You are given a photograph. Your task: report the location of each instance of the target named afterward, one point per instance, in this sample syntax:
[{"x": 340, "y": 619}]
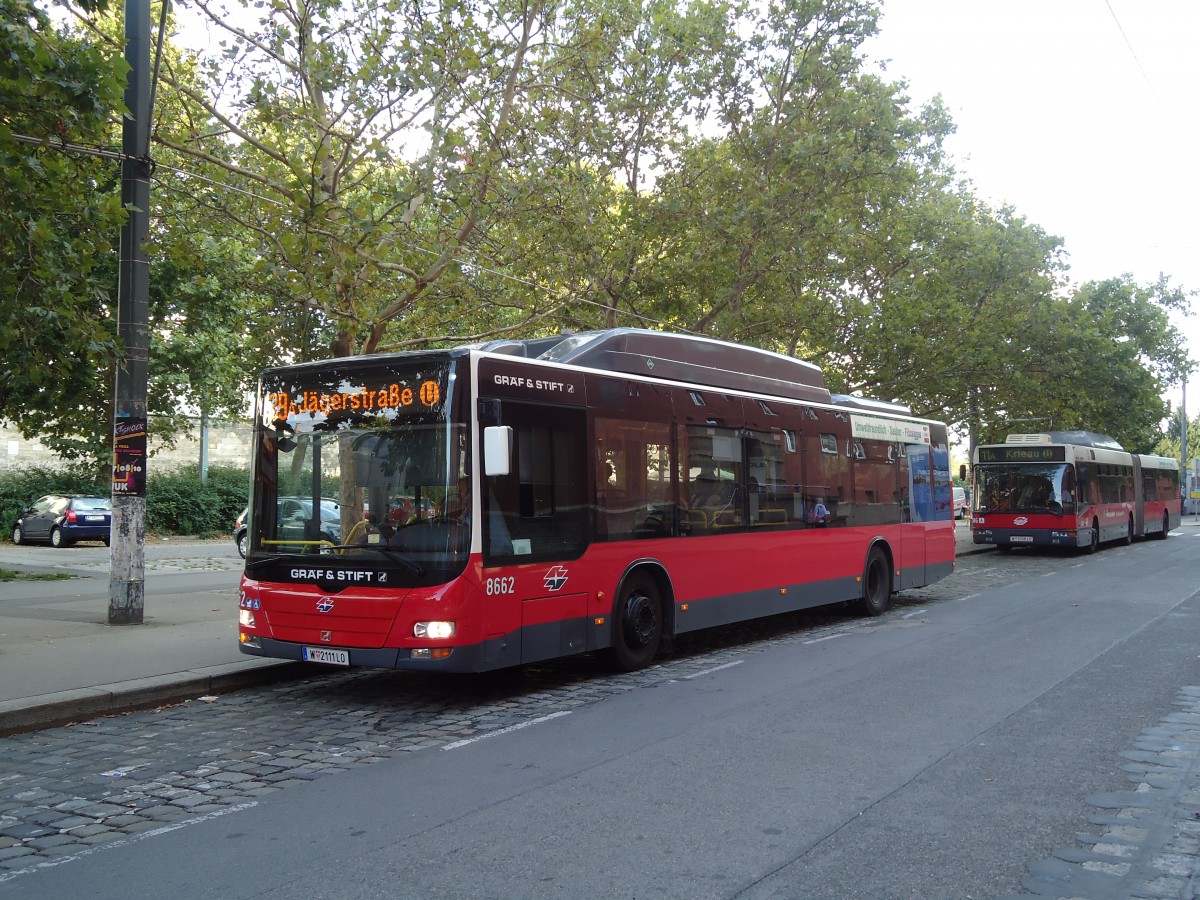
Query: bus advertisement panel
[{"x": 619, "y": 489}]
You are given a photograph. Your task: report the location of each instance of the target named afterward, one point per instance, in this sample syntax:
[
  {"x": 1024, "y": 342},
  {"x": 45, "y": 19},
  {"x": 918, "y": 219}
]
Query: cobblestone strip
[
  {"x": 68, "y": 791},
  {"x": 1147, "y": 839}
]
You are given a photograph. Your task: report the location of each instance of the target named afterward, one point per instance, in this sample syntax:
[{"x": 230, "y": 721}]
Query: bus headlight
[
  {"x": 437, "y": 631},
  {"x": 246, "y": 618}
]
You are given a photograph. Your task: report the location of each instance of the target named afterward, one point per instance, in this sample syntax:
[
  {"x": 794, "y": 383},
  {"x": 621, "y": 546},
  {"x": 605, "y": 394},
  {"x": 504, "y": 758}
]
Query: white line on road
[
  {"x": 728, "y": 665},
  {"x": 121, "y": 842},
  {"x": 491, "y": 734},
  {"x": 828, "y": 637}
]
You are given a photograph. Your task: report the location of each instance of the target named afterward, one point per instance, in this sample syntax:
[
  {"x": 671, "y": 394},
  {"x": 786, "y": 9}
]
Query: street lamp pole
[{"x": 127, "y": 561}]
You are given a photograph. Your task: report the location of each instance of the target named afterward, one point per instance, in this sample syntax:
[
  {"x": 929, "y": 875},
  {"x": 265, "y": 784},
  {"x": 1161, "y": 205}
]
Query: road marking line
[
  {"x": 728, "y": 665},
  {"x": 828, "y": 637},
  {"x": 491, "y": 734},
  {"x": 122, "y": 842}
]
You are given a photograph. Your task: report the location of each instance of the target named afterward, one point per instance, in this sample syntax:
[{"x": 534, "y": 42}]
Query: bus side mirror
[
  {"x": 497, "y": 450},
  {"x": 962, "y": 472}
]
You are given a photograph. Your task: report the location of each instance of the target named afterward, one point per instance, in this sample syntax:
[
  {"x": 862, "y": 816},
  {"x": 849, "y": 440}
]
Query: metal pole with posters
[{"x": 127, "y": 560}]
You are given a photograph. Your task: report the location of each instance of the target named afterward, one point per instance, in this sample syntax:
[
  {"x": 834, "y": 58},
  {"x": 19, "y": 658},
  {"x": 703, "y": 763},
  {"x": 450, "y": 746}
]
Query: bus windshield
[
  {"x": 1047, "y": 487},
  {"x": 362, "y": 465}
]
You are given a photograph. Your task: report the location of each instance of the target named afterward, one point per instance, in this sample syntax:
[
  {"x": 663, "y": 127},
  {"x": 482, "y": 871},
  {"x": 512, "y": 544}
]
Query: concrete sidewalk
[{"x": 61, "y": 662}]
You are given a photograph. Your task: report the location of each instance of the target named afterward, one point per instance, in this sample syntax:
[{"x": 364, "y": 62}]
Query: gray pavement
[{"x": 61, "y": 662}]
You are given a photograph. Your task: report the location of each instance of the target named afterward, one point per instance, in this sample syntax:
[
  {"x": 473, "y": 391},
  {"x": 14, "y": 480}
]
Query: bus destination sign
[
  {"x": 876, "y": 428},
  {"x": 386, "y": 399},
  {"x": 1020, "y": 454}
]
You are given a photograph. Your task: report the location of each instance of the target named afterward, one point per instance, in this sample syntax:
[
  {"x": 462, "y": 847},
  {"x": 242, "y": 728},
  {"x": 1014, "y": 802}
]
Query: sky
[{"x": 1081, "y": 114}]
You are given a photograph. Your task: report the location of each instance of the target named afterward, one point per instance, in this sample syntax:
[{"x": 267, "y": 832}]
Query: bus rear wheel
[
  {"x": 639, "y": 624},
  {"x": 1166, "y": 529},
  {"x": 876, "y": 584}
]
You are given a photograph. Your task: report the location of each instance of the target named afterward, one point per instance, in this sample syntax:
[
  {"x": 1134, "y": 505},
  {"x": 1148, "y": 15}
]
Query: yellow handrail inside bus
[{"x": 319, "y": 543}]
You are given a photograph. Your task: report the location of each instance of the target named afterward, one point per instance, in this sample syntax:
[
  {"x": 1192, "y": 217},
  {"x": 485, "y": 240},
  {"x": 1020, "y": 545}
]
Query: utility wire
[{"x": 1132, "y": 52}]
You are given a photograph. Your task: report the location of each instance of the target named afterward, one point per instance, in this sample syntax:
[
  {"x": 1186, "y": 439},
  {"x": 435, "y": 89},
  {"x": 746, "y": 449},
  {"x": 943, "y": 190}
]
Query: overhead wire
[{"x": 1129, "y": 45}]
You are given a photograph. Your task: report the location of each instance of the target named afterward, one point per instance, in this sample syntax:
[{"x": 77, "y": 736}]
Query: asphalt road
[{"x": 984, "y": 737}]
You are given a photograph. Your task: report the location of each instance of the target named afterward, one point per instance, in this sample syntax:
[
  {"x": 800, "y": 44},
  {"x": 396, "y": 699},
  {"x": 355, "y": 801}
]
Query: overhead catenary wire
[{"x": 1129, "y": 45}]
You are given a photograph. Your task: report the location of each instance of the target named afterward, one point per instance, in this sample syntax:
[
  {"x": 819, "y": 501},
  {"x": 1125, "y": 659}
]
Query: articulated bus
[
  {"x": 1070, "y": 489},
  {"x": 517, "y": 501}
]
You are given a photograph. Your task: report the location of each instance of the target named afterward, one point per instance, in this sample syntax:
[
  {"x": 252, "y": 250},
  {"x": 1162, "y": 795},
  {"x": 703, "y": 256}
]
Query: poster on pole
[{"x": 129, "y": 457}]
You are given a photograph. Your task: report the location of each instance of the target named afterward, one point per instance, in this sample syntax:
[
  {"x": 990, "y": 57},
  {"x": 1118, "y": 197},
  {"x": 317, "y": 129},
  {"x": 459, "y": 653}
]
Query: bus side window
[
  {"x": 539, "y": 510},
  {"x": 632, "y": 499}
]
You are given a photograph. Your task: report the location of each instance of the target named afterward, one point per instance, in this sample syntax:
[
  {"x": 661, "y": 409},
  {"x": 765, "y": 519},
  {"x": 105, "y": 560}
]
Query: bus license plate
[
  {"x": 1021, "y": 539},
  {"x": 327, "y": 655}
]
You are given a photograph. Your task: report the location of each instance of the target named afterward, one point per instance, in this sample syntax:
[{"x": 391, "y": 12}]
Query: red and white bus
[
  {"x": 598, "y": 491},
  {"x": 1070, "y": 489}
]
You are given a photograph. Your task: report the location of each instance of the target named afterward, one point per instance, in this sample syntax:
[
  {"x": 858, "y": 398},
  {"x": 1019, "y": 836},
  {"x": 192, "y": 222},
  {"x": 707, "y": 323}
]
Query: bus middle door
[{"x": 920, "y": 509}]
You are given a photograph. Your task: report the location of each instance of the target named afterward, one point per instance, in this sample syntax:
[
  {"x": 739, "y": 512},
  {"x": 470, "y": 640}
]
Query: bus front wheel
[
  {"x": 639, "y": 624},
  {"x": 876, "y": 585},
  {"x": 1094, "y": 543}
]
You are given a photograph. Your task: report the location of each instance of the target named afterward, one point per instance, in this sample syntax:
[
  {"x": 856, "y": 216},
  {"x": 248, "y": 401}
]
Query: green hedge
[{"x": 176, "y": 502}]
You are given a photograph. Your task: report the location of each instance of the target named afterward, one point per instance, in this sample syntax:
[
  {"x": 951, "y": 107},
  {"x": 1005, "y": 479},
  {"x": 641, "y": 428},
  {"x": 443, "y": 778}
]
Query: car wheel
[
  {"x": 243, "y": 540},
  {"x": 57, "y": 539},
  {"x": 18, "y": 535}
]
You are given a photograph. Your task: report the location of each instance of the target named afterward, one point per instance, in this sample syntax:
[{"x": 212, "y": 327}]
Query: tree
[
  {"x": 1120, "y": 352},
  {"x": 1169, "y": 444},
  {"x": 370, "y": 139},
  {"x": 60, "y": 95}
]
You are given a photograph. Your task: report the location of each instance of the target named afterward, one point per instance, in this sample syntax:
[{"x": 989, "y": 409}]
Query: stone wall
[{"x": 228, "y": 445}]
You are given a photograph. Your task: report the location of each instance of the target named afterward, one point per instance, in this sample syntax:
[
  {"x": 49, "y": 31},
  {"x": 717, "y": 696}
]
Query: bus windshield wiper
[
  {"x": 254, "y": 563},
  {"x": 392, "y": 553}
]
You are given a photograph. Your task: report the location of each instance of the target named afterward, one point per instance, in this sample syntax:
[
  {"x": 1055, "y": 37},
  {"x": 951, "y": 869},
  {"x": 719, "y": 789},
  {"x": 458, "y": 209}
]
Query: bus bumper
[
  {"x": 1032, "y": 537},
  {"x": 469, "y": 658}
]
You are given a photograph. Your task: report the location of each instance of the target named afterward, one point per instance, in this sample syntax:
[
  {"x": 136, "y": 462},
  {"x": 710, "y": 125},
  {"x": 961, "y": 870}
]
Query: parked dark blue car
[{"x": 62, "y": 520}]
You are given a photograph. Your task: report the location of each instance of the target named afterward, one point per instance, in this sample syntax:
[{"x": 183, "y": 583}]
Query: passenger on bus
[
  {"x": 820, "y": 513},
  {"x": 706, "y": 491},
  {"x": 1035, "y": 493},
  {"x": 458, "y": 505}
]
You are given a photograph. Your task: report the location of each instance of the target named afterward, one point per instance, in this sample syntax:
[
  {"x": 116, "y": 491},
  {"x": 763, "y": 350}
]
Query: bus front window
[
  {"x": 360, "y": 468},
  {"x": 1025, "y": 488}
]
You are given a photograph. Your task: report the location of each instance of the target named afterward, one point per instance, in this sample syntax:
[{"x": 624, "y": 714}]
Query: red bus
[
  {"x": 597, "y": 491},
  {"x": 1070, "y": 489}
]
